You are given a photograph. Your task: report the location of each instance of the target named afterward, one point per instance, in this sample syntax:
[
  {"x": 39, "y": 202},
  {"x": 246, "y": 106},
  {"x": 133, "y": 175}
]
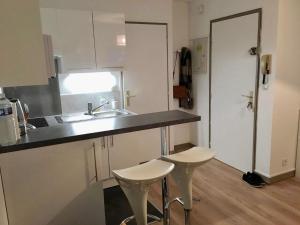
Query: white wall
[
  {"x": 199, "y": 27},
  {"x": 287, "y": 89},
  {"x": 181, "y": 38}
]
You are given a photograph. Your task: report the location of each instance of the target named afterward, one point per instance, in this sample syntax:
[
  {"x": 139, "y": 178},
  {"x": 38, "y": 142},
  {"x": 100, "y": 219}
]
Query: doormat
[{"x": 117, "y": 207}]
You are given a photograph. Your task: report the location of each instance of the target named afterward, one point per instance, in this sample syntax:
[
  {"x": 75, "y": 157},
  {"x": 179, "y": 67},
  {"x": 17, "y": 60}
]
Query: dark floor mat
[{"x": 117, "y": 207}]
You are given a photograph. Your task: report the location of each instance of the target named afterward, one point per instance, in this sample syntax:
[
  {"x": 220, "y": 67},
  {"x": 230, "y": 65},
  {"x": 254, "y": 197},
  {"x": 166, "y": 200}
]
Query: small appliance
[
  {"x": 8, "y": 132},
  {"x": 19, "y": 115}
]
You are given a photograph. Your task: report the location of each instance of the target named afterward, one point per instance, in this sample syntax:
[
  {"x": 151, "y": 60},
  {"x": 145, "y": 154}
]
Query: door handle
[
  {"x": 95, "y": 162},
  {"x": 58, "y": 65},
  {"x": 250, "y": 105},
  {"x": 103, "y": 145},
  {"x": 128, "y": 96},
  {"x": 248, "y": 96},
  {"x": 111, "y": 141}
]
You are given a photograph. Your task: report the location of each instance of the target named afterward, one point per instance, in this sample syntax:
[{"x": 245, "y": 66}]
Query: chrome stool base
[
  {"x": 187, "y": 216},
  {"x": 127, "y": 220},
  {"x": 187, "y": 212}
]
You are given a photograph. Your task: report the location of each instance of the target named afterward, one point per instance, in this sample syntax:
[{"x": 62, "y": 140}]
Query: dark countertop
[{"x": 98, "y": 128}]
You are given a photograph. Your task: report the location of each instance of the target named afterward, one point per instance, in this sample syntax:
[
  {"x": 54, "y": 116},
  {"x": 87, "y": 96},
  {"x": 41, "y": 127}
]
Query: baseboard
[
  {"x": 277, "y": 178},
  {"x": 183, "y": 147}
]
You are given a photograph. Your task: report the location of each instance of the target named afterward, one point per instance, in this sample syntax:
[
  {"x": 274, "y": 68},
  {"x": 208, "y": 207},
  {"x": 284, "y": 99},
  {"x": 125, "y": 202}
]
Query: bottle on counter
[
  {"x": 8, "y": 131},
  {"x": 16, "y": 119}
]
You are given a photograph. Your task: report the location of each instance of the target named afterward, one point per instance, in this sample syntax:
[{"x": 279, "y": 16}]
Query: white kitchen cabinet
[
  {"x": 73, "y": 38},
  {"x": 85, "y": 40},
  {"x": 50, "y": 27},
  {"x": 77, "y": 40},
  {"x": 3, "y": 212},
  {"x": 110, "y": 39},
  {"x": 53, "y": 185},
  {"x": 127, "y": 150},
  {"x": 22, "y": 60}
]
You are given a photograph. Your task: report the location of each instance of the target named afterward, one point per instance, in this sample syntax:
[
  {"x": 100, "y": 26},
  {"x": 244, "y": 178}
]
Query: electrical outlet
[{"x": 284, "y": 162}]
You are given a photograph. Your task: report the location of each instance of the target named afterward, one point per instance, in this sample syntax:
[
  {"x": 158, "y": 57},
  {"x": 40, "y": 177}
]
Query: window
[{"x": 85, "y": 83}]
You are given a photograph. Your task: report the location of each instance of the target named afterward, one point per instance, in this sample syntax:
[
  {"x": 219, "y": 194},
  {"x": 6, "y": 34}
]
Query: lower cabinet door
[
  {"x": 53, "y": 185},
  {"x": 102, "y": 158},
  {"x": 131, "y": 149},
  {"x": 3, "y": 212}
]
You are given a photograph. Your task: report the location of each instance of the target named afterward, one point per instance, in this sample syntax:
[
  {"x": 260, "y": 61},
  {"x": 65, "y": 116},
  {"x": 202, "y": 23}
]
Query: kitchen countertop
[{"x": 71, "y": 132}]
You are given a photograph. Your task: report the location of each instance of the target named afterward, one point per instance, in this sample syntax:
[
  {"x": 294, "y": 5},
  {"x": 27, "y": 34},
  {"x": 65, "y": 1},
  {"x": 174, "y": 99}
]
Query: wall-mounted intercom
[{"x": 266, "y": 68}]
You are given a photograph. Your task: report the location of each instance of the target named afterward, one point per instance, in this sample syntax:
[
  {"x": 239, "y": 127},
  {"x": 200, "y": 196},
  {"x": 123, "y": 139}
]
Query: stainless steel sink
[
  {"x": 107, "y": 114},
  {"x": 96, "y": 115}
]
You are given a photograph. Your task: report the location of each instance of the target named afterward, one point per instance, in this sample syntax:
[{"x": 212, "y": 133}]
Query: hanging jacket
[{"x": 185, "y": 78}]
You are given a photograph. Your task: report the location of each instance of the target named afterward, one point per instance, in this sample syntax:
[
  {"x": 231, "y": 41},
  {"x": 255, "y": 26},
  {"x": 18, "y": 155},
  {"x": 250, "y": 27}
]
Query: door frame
[
  {"x": 258, "y": 55},
  {"x": 167, "y": 41},
  {"x": 167, "y": 75}
]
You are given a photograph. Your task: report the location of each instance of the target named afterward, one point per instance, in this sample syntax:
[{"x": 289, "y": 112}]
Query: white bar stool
[
  {"x": 185, "y": 164},
  {"x": 136, "y": 182}
]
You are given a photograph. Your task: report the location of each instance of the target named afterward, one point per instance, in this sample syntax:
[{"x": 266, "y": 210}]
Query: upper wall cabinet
[
  {"x": 22, "y": 59},
  {"x": 76, "y": 39},
  {"x": 50, "y": 27},
  {"x": 85, "y": 40},
  {"x": 110, "y": 39},
  {"x": 73, "y": 38}
]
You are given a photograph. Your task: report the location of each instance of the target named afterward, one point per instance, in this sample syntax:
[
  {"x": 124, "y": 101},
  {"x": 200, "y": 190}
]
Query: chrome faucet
[{"x": 92, "y": 110}]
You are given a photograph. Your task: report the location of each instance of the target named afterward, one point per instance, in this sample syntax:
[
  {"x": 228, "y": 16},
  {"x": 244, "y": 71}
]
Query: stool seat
[
  {"x": 185, "y": 164},
  {"x": 193, "y": 157},
  {"x": 135, "y": 183},
  {"x": 148, "y": 172}
]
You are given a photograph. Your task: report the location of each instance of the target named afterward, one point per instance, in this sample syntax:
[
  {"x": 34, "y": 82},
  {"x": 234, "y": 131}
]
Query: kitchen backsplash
[
  {"x": 43, "y": 100},
  {"x": 70, "y": 93}
]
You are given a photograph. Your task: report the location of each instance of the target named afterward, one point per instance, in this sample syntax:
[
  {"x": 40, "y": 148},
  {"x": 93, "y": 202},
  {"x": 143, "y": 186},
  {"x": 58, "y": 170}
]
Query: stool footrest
[
  {"x": 127, "y": 220},
  {"x": 174, "y": 200}
]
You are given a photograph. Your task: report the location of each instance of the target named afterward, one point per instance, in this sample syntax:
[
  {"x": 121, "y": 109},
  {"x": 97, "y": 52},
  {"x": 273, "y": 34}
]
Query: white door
[
  {"x": 146, "y": 75},
  {"x": 146, "y": 78},
  {"x": 233, "y": 74}
]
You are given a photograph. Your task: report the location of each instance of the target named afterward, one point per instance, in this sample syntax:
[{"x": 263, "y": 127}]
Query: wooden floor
[{"x": 226, "y": 199}]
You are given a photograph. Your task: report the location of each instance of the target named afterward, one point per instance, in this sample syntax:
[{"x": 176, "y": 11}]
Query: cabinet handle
[
  {"x": 112, "y": 141},
  {"x": 95, "y": 162},
  {"x": 103, "y": 145},
  {"x": 58, "y": 65}
]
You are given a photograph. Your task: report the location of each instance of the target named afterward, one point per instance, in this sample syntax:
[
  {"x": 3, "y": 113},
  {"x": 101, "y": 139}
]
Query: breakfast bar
[
  {"x": 71, "y": 132},
  {"x": 42, "y": 141}
]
